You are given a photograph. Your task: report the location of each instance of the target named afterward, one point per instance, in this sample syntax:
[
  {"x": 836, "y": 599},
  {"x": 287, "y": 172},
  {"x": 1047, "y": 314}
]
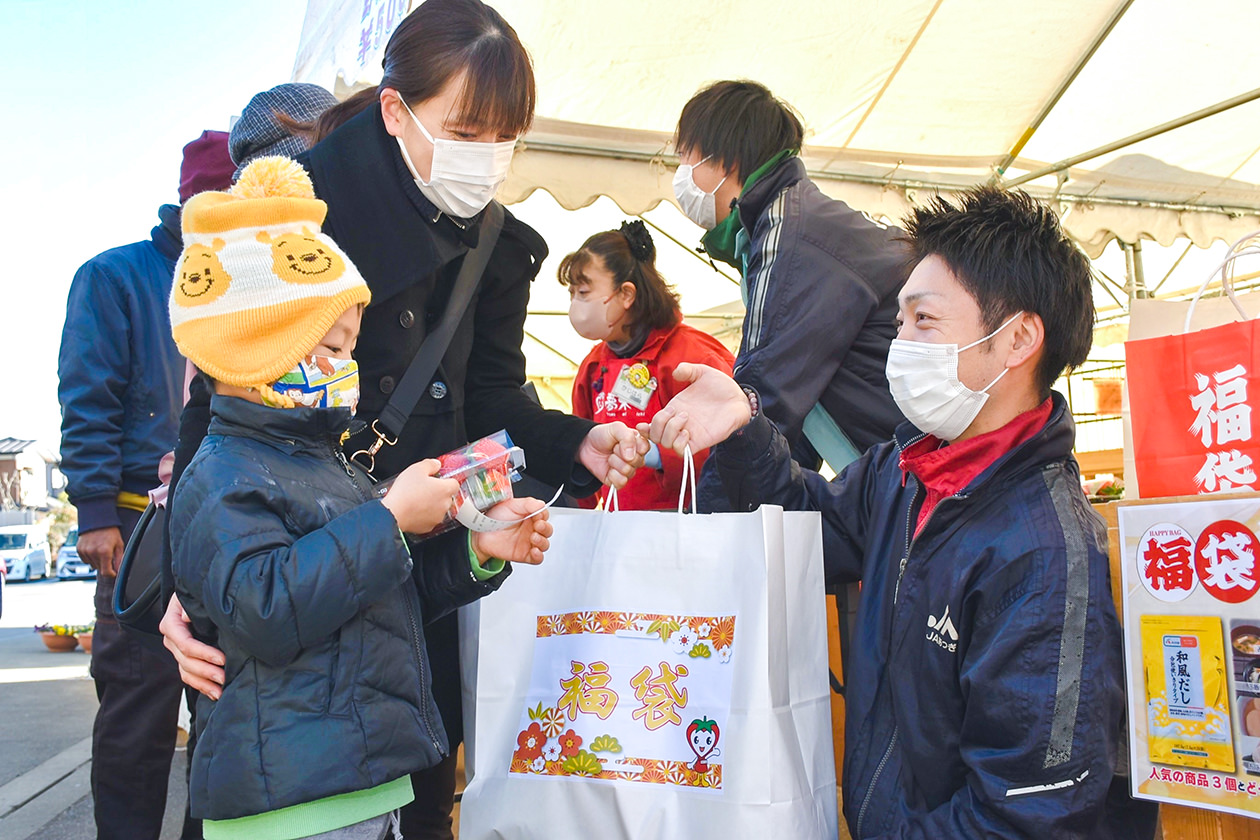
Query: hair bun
[{"x": 641, "y": 246}]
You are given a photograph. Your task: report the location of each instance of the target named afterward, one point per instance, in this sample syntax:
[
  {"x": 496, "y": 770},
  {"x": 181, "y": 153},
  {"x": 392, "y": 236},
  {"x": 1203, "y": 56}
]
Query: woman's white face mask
[
  {"x": 696, "y": 204},
  {"x": 465, "y": 175}
]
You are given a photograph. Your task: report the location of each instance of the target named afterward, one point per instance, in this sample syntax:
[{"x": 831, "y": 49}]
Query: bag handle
[
  {"x": 612, "y": 505},
  {"x": 393, "y": 417},
  {"x": 1248, "y": 245},
  {"x": 688, "y": 475}
]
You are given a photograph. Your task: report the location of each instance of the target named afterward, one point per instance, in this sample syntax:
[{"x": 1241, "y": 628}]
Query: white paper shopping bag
[{"x": 659, "y": 676}]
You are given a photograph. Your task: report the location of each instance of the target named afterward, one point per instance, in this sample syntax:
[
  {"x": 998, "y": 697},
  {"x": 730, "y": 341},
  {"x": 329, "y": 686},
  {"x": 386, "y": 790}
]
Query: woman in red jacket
[{"x": 618, "y": 298}]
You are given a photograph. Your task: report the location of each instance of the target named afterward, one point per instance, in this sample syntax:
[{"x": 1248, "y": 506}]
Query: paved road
[{"x": 47, "y": 704}]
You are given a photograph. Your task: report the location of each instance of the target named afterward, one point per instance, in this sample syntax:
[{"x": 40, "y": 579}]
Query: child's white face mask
[{"x": 321, "y": 382}]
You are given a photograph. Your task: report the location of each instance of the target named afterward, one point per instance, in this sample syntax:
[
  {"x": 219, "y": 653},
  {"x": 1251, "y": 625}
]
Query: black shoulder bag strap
[{"x": 389, "y": 424}]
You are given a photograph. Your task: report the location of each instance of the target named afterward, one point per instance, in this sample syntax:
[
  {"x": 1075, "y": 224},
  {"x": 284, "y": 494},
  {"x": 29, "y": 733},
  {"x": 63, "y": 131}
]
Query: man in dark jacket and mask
[
  {"x": 819, "y": 278},
  {"x": 121, "y": 389},
  {"x": 985, "y": 694}
]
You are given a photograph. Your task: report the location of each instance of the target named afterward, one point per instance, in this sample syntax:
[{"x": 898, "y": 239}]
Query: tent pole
[
  {"x": 695, "y": 252},
  {"x": 547, "y": 346},
  {"x": 1110, "y": 294},
  {"x": 1211, "y": 110},
  {"x": 1158, "y": 285},
  {"x": 1058, "y": 94},
  {"x": 1135, "y": 275}
]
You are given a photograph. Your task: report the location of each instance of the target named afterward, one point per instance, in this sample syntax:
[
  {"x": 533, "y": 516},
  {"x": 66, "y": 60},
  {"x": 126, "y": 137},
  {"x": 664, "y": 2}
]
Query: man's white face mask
[
  {"x": 923, "y": 379},
  {"x": 696, "y": 204}
]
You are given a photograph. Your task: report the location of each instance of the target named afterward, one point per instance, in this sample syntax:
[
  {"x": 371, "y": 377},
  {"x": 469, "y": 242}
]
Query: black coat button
[
  {"x": 387, "y": 384},
  {"x": 437, "y": 390},
  {"x": 407, "y": 318}
]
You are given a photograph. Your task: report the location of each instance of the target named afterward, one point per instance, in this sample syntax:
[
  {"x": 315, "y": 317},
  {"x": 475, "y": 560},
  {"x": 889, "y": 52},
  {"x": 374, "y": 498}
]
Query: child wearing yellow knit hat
[{"x": 283, "y": 556}]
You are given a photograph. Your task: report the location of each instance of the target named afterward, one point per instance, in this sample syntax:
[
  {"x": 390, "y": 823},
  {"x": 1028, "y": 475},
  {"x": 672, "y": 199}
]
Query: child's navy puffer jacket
[{"x": 283, "y": 556}]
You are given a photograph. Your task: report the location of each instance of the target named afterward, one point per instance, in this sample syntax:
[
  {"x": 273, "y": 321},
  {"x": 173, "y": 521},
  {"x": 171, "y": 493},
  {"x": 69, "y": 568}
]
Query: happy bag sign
[{"x": 1190, "y": 405}]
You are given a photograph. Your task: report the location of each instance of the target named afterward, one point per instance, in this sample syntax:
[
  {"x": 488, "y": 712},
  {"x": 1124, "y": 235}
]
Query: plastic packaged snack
[
  {"x": 486, "y": 470},
  {"x": 1187, "y": 692}
]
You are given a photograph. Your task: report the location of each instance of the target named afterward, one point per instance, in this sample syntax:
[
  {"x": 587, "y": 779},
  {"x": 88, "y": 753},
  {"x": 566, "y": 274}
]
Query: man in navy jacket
[
  {"x": 121, "y": 390},
  {"x": 985, "y": 692},
  {"x": 819, "y": 278}
]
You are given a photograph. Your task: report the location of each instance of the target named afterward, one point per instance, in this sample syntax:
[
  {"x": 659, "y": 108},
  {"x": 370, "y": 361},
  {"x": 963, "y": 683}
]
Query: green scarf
[{"x": 721, "y": 241}]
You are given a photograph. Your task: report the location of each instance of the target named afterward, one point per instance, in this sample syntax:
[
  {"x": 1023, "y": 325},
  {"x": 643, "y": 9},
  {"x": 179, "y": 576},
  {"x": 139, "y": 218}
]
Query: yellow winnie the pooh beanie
[{"x": 258, "y": 285}]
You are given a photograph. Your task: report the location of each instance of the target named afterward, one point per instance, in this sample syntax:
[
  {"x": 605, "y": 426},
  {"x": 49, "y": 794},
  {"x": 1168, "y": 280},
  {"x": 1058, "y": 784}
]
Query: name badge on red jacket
[{"x": 635, "y": 385}]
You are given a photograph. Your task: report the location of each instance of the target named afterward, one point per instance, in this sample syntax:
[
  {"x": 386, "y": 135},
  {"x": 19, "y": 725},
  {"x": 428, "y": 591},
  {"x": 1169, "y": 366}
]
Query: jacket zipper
[
  {"x": 892, "y": 743},
  {"x": 901, "y": 572},
  {"x": 411, "y": 613},
  {"x": 905, "y": 555},
  {"x": 870, "y": 790},
  {"x": 345, "y": 465},
  {"x": 424, "y": 700}
]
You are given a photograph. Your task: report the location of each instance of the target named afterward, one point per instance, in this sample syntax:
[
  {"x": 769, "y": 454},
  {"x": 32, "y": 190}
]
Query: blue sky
[{"x": 101, "y": 97}]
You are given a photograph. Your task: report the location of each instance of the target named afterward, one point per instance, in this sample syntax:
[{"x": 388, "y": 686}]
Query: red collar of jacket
[{"x": 946, "y": 470}]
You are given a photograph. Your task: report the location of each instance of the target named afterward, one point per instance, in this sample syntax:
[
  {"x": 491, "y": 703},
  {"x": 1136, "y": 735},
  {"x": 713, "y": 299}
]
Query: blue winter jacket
[
  {"x": 121, "y": 373},
  {"x": 283, "y": 557},
  {"x": 985, "y": 689}
]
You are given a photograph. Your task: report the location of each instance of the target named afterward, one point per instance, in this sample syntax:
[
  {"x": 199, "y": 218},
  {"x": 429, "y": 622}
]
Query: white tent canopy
[{"x": 901, "y": 98}]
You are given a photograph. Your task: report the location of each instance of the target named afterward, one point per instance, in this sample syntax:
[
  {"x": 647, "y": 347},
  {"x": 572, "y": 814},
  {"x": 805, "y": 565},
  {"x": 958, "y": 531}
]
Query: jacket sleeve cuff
[
  {"x": 749, "y": 442},
  {"x": 653, "y": 458},
  {"x": 493, "y": 566},
  {"x": 98, "y": 512},
  {"x": 581, "y": 483}
]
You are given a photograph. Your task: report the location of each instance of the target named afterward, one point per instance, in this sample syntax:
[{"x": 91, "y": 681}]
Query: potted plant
[
  {"x": 83, "y": 634},
  {"x": 59, "y": 638}
]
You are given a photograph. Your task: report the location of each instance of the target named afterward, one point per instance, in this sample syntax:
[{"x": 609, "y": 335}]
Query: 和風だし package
[{"x": 1187, "y": 692}]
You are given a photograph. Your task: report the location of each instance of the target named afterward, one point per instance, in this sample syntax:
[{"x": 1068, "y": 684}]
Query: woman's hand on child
[
  {"x": 524, "y": 542},
  {"x": 418, "y": 499},
  {"x": 200, "y": 666}
]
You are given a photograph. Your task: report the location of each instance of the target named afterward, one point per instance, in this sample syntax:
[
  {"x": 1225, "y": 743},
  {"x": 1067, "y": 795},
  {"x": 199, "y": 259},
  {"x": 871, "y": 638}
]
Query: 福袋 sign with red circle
[
  {"x": 1225, "y": 561},
  {"x": 1172, "y": 563},
  {"x": 1166, "y": 562}
]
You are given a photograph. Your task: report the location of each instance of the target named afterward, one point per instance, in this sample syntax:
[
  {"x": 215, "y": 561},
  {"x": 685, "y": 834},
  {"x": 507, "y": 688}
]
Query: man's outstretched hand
[{"x": 709, "y": 410}]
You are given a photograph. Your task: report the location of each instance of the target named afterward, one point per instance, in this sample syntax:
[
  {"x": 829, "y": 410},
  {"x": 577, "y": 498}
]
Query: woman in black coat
[{"x": 406, "y": 169}]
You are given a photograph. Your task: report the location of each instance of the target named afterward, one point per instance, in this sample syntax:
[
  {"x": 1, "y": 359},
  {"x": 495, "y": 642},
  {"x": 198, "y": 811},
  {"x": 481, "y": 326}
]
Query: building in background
[{"x": 30, "y": 481}]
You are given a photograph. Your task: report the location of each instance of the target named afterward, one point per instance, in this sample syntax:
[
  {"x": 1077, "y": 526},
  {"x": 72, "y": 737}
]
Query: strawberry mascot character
[{"x": 702, "y": 737}]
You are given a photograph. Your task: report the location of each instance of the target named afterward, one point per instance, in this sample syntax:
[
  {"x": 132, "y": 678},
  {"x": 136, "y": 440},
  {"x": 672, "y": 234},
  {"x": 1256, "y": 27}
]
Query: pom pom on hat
[
  {"x": 258, "y": 285},
  {"x": 274, "y": 177}
]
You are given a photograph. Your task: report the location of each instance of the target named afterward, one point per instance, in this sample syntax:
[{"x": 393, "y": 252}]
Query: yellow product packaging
[{"x": 1187, "y": 692}]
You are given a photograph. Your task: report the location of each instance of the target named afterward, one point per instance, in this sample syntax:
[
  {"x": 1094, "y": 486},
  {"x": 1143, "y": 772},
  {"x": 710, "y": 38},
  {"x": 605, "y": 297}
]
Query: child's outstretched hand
[
  {"x": 418, "y": 499},
  {"x": 524, "y": 542}
]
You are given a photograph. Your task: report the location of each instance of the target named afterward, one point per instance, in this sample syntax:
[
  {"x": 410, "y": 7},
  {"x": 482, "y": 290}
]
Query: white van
[{"x": 24, "y": 552}]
